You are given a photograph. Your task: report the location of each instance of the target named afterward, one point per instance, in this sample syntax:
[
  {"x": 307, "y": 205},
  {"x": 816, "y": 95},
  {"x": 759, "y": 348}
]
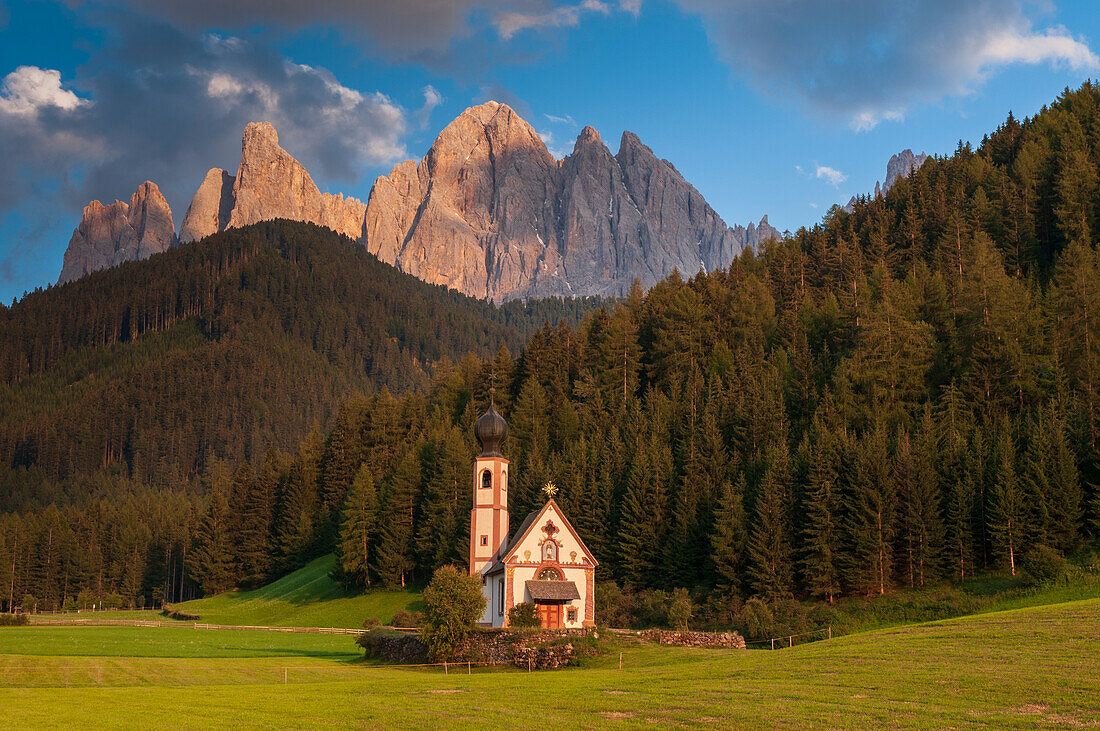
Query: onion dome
[{"x": 491, "y": 430}]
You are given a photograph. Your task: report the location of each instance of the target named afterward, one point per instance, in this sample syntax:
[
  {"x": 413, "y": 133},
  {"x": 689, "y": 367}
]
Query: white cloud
[
  {"x": 1054, "y": 46},
  {"x": 553, "y": 145},
  {"x": 29, "y": 89},
  {"x": 634, "y": 7},
  {"x": 432, "y": 99},
  {"x": 510, "y": 22},
  {"x": 831, "y": 175},
  {"x": 564, "y": 119},
  {"x": 867, "y": 61}
]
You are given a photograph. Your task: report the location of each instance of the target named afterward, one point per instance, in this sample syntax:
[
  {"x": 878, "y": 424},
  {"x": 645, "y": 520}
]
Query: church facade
[{"x": 544, "y": 562}]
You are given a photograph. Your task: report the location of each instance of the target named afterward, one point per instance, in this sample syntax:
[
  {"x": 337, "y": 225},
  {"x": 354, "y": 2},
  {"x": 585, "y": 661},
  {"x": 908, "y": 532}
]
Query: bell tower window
[{"x": 486, "y": 479}]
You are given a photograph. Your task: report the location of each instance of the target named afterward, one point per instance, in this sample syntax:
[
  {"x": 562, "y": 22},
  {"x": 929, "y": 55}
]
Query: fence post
[
  {"x": 773, "y": 643},
  {"x": 469, "y": 671},
  {"x": 528, "y": 664},
  {"x": 284, "y": 676},
  {"x": 790, "y": 641},
  {"x": 620, "y": 661},
  {"x": 830, "y": 632}
]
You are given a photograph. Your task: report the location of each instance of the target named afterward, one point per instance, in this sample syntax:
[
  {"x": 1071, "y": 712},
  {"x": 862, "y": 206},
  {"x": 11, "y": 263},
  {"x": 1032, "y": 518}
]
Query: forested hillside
[
  {"x": 897, "y": 395},
  {"x": 222, "y": 348}
]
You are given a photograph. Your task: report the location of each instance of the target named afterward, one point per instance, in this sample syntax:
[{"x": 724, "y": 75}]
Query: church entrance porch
[{"x": 550, "y": 615}]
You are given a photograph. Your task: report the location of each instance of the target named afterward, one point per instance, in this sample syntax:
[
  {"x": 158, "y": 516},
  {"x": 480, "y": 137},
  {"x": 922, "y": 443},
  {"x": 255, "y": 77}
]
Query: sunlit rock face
[{"x": 109, "y": 235}]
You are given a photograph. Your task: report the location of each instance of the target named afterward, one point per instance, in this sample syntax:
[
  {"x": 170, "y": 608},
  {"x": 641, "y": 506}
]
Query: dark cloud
[
  {"x": 406, "y": 29},
  {"x": 161, "y": 104},
  {"x": 869, "y": 60}
]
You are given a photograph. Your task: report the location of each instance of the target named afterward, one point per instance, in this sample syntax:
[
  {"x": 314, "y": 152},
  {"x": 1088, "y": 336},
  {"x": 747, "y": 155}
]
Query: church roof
[
  {"x": 528, "y": 524},
  {"x": 552, "y": 591}
]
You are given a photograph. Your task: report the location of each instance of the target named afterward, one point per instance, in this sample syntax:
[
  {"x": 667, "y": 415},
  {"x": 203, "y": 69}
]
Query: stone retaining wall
[
  {"x": 537, "y": 649},
  {"x": 724, "y": 640}
]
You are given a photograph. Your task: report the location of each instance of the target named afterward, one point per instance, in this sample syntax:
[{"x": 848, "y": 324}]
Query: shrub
[
  {"x": 372, "y": 639},
  {"x": 29, "y": 603},
  {"x": 610, "y": 609},
  {"x": 680, "y": 609},
  {"x": 524, "y": 614},
  {"x": 405, "y": 618},
  {"x": 13, "y": 620},
  {"x": 372, "y": 622},
  {"x": 757, "y": 621},
  {"x": 1042, "y": 564},
  {"x": 111, "y": 601},
  {"x": 453, "y": 602},
  {"x": 651, "y": 608}
]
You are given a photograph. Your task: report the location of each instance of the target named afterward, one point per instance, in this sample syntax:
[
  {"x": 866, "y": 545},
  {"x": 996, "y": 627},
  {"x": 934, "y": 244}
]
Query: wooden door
[{"x": 550, "y": 615}]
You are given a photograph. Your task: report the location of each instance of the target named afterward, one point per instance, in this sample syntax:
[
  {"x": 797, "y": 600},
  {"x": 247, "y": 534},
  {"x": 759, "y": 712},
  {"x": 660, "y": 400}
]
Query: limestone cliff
[
  {"x": 110, "y": 235},
  {"x": 487, "y": 211},
  {"x": 490, "y": 212}
]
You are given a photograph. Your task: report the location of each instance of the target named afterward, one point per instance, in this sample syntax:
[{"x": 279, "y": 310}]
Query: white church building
[{"x": 545, "y": 562}]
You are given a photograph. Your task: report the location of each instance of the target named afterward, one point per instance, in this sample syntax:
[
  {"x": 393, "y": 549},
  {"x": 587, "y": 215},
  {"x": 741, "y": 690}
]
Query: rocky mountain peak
[
  {"x": 260, "y": 134},
  {"x": 488, "y": 211},
  {"x": 589, "y": 136},
  {"x": 902, "y": 165},
  {"x": 109, "y": 235}
]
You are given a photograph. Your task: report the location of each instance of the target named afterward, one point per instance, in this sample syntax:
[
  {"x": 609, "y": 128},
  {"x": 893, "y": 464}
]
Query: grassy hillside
[
  {"x": 305, "y": 598},
  {"x": 1026, "y": 668}
]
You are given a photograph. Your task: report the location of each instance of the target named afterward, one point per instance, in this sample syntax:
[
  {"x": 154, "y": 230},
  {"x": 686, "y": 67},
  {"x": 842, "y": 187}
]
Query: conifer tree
[
  {"x": 871, "y": 504},
  {"x": 771, "y": 569},
  {"x": 1006, "y": 513},
  {"x": 255, "y": 524},
  {"x": 212, "y": 563},
  {"x": 358, "y": 526},
  {"x": 821, "y": 536},
  {"x": 728, "y": 540},
  {"x": 394, "y": 559},
  {"x": 637, "y": 536}
]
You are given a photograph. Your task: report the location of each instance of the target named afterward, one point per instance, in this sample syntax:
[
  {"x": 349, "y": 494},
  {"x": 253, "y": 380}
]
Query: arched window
[
  {"x": 486, "y": 479},
  {"x": 550, "y": 575},
  {"x": 549, "y": 551}
]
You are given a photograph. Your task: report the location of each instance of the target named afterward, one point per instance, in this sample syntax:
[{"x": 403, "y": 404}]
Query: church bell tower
[{"x": 489, "y": 517}]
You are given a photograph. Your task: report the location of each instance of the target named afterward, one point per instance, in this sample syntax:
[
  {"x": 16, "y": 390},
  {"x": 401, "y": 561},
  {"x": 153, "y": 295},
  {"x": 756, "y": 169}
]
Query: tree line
[{"x": 896, "y": 396}]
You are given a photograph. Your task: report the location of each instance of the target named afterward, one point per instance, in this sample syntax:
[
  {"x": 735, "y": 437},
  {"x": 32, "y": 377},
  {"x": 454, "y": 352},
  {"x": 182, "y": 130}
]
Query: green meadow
[{"x": 1034, "y": 667}]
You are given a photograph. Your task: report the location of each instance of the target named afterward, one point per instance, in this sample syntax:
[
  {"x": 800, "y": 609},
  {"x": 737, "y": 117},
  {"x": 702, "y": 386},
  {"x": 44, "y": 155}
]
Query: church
[{"x": 544, "y": 562}]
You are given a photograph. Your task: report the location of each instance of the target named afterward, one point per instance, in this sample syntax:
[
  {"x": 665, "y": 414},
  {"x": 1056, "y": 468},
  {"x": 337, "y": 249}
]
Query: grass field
[
  {"x": 305, "y": 598},
  {"x": 1028, "y": 668}
]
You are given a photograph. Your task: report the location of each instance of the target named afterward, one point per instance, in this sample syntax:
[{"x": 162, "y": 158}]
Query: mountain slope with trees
[
  {"x": 222, "y": 348},
  {"x": 897, "y": 396}
]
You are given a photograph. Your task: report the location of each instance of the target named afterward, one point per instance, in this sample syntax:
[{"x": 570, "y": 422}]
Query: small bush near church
[
  {"x": 405, "y": 618},
  {"x": 523, "y": 615},
  {"x": 453, "y": 602}
]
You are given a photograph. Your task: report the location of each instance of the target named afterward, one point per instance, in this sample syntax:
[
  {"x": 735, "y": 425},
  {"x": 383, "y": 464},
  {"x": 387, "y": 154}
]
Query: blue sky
[{"x": 780, "y": 108}]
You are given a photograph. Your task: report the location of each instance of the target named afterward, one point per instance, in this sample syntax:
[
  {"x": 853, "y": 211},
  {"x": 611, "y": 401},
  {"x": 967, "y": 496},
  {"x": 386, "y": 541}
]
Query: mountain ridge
[{"x": 488, "y": 211}]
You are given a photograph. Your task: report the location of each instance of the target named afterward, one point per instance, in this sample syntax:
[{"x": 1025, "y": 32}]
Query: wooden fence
[{"x": 778, "y": 643}]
